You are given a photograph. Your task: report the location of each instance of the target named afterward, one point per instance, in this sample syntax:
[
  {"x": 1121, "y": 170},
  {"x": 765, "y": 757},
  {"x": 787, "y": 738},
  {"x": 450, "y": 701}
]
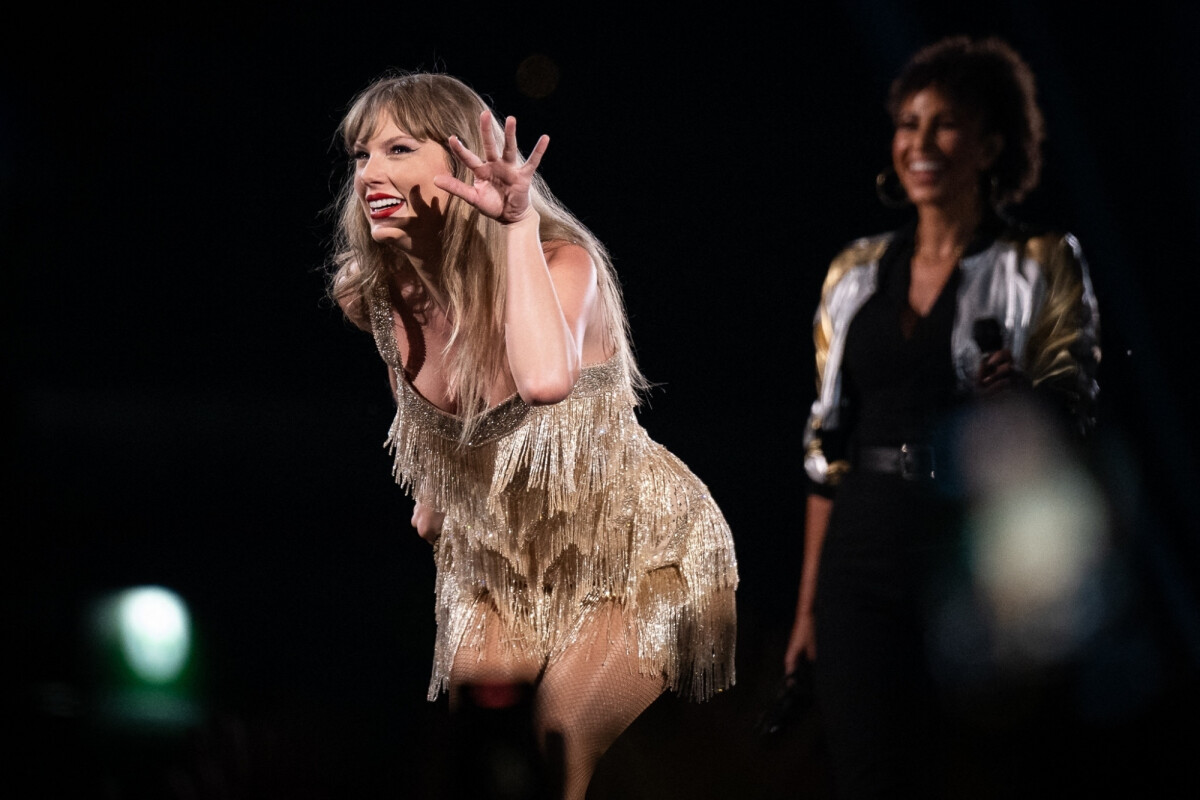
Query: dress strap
[{"x": 383, "y": 327}]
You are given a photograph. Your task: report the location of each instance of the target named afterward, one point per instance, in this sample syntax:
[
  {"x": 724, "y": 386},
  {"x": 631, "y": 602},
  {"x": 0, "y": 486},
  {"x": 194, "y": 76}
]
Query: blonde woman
[{"x": 573, "y": 553}]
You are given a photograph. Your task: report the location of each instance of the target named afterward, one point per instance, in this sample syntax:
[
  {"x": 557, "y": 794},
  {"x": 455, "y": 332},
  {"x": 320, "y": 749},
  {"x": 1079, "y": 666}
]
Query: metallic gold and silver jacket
[
  {"x": 555, "y": 512},
  {"x": 1036, "y": 286}
]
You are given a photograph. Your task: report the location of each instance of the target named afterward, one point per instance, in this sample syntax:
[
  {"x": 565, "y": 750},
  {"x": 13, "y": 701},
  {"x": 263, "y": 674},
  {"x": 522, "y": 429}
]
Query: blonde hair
[{"x": 471, "y": 278}]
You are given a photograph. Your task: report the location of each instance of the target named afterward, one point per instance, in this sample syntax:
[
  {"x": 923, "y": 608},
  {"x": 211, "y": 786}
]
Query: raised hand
[{"x": 501, "y": 187}]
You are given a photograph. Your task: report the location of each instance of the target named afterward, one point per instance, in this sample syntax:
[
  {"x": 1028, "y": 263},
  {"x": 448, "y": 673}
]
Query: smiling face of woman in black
[{"x": 939, "y": 149}]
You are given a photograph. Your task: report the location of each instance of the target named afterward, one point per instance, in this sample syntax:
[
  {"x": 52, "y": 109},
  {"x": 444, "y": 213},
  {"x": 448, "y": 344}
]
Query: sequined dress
[{"x": 553, "y": 511}]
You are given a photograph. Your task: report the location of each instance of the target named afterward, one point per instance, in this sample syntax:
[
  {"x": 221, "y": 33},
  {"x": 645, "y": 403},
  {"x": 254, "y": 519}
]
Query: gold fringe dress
[{"x": 553, "y": 511}]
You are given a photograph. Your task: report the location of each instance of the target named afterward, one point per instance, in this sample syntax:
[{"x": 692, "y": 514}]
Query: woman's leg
[
  {"x": 495, "y": 662},
  {"x": 491, "y": 739},
  {"x": 590, "y": 694}
]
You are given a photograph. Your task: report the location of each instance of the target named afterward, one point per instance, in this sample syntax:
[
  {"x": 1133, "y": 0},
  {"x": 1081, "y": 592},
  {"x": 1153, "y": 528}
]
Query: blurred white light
[
  {"x": 1036, "y": 549},
  {"x": 155, "y": 633},
  {"x": 1038, "y": 531}
]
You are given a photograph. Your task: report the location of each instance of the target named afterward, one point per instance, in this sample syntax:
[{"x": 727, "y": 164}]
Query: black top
[{"x": 897, "y": 370}]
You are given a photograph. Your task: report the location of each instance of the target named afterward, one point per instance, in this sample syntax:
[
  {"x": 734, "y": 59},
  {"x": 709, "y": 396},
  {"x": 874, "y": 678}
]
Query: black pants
[{"x": 886, "y": 543}]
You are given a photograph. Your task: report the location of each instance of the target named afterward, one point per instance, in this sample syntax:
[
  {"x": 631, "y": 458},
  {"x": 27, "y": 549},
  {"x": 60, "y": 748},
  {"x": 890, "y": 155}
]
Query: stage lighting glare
[
  {"x": 154, "y": 632},
  {"x": 1037, "y": 553}
]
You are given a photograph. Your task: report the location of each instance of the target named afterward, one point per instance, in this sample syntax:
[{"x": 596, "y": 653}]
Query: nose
[
  {"x": 370, "y": 170},
  {"x": 926, "y": 135}
]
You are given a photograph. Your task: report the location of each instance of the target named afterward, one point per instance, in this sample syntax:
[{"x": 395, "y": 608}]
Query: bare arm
[
  {"x": 550, "y": 291},
  {"x": 548, "y": 302},
  {"x": 803, "y": 640}
]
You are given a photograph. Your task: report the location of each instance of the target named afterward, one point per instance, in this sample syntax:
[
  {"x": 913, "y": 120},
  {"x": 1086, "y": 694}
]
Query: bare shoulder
[{"x": 567, "y": 256}]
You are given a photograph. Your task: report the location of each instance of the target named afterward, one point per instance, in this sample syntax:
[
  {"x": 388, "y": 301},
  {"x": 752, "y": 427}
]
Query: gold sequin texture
[{"x": 553, "y": 511}]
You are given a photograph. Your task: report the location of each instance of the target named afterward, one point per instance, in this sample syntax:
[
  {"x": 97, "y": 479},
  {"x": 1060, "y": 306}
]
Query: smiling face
[
  {"x": 393, "y": 181},
  {"x": 939, "y": 149}
]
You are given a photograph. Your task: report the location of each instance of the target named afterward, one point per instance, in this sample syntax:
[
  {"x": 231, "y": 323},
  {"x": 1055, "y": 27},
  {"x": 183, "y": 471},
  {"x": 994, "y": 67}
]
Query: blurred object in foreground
[
  {"x": 1037, "y": 532},
  {"x": 493, "y": 724},
  {"x": 143, "y": 650}
]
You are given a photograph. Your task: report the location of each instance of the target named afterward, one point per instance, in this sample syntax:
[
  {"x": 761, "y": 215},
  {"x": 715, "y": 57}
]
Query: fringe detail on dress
[
  {"x": 661, "y": 548},
  {"x": 557, "y": 453},
  {"x": 554, "y": 512}
]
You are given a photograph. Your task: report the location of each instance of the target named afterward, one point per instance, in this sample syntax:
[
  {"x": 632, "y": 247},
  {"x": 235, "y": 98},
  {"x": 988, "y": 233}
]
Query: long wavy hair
[{"x": 470, "y": 283}]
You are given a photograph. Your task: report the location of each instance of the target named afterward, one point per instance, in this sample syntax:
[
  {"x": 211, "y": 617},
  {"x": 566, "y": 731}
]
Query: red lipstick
[{"x": 383, "y": 212}]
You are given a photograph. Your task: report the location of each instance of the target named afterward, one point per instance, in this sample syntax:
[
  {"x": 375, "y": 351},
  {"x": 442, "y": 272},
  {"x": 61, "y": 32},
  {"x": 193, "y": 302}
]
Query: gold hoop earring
[{"x": 892, "y": 198}]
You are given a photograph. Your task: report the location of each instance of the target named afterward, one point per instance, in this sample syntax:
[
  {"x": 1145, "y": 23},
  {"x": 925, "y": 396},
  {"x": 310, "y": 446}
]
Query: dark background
[{"x": 189, "y": 411}]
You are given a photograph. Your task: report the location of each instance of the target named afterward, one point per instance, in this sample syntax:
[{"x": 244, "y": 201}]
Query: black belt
[{"x": 911, "y": 462}]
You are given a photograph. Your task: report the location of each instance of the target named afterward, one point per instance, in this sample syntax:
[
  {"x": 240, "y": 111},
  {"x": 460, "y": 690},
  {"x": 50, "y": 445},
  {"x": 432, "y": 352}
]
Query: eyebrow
[
  {"x": 936, "y": 115},
  {"x": 390, "y": 140}
]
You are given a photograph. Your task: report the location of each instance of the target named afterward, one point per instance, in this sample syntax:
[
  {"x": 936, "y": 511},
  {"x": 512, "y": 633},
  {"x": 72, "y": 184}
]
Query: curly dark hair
[{"x": 985, "y": 76}]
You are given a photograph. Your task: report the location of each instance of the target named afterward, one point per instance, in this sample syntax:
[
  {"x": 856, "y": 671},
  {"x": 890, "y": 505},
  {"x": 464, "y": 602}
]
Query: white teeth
[
  {"x": 924, "y": 166},
  {"x": 378, "y": 204}
]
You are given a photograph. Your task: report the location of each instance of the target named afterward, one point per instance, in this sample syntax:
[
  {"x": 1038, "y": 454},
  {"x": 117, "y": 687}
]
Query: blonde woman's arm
[{"x": 550, "y": 290}]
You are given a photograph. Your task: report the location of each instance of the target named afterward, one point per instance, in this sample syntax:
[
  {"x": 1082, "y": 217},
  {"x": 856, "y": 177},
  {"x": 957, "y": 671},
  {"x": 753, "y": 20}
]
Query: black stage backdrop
[{"x": 189, "y": 412}]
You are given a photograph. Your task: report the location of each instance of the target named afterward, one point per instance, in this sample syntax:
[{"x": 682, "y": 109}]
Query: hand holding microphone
[{"x": 997, "y": 371}]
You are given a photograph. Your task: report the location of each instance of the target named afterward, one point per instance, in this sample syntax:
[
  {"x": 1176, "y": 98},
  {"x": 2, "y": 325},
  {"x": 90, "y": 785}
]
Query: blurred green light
[{"x": 155, "y": 633}]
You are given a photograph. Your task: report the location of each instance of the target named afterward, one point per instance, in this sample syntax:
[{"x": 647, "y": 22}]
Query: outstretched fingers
[
  {"x": 488, "y": 138},
  {"x": 463, "y": 153},
  {"x": 535, "y": 155},
  {"x": 510, "y": 139},
  {"x": 501, "y": 183},
  {"x": 510, "y": 147},
  {"x": 509, "y": 154},
  {"x": 451, "y": 184}
]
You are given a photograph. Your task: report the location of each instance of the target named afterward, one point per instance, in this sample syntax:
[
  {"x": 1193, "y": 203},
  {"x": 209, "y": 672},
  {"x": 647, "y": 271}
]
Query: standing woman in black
[{"x": 899, "y": 355}]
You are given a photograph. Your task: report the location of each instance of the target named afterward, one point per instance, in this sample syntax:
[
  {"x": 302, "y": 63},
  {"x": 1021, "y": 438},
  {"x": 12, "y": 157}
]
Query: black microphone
[{"x": 986, "y": 333}]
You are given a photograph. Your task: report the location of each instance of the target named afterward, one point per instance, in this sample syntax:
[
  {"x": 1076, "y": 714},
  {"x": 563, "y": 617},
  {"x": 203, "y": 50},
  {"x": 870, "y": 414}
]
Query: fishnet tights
[{"x": 586, "y": 697}]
